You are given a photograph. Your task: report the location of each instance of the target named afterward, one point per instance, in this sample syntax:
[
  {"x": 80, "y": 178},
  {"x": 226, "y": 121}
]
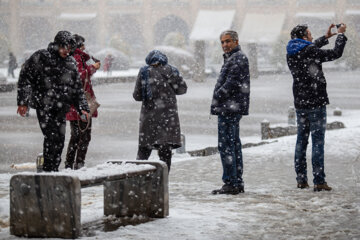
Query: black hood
[{"x": 64, "y": 38}]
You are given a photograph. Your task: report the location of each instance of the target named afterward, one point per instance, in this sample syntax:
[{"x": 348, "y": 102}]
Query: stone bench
[
  {"x": 7, "y": 87},
  {"x": 268, "y": 132},
  {"x": 49, "y": 204}
]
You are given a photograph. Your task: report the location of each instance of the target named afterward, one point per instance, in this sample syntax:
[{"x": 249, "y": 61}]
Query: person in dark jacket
[
  {"x": 230, "y": 102},
  {"x": 157, "y": 85},
  {"x": 12, "y": 65},
  {"x": 50, "y": 83},
  {"x": 80, "y": 131},
  {"x": 305, "y": 60}
]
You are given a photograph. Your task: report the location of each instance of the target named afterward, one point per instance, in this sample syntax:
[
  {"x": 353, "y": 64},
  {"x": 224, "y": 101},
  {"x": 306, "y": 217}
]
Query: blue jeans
[
  {"x": 310, "y": 121},
  {"x": 229, "y": 146}
]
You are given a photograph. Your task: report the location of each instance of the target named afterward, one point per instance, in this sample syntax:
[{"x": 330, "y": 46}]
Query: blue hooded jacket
[
  {"x": 296, "y": 45},
  {"x": 305, "y": 60},
  {"x": 155, "y": 57}
]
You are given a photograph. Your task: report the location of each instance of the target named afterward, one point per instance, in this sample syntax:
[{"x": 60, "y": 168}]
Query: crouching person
[
  {"x": 49, "y": 82},
  {"x": 157, "y": 85}
]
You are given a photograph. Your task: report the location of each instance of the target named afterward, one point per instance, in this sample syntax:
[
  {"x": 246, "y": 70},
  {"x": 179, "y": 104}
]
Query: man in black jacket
[
  {"x": 230, "y": 102},
  {"x": 50, "y": 83},
  {"x": 305, "y": 60}
]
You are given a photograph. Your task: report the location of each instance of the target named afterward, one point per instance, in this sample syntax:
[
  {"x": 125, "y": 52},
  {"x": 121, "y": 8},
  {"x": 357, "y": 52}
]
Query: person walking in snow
[
  {"x": 50, "y": 83},
  {"x": 80, "y": 131},
  {"x": 12, "y": 65},
  {"x": 157, "y": 85},
  {"x": 230, "y": 102},
  {"x": 108, "y": 61},
  {"x": 305, "y": 58}
]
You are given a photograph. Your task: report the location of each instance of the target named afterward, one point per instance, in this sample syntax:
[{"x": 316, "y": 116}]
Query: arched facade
[
  {"x": 153, "y": 19},
  {"x": 84, "y": 28},
  {"x": 168, "y": 24},
  {"x": 127, "y": 28}
]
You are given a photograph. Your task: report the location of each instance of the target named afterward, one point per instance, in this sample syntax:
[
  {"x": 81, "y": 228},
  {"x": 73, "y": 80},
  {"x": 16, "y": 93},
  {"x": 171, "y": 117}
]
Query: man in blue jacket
[
  {"x": 230, "y": 102},
  {"x": 305, "y": 60}
]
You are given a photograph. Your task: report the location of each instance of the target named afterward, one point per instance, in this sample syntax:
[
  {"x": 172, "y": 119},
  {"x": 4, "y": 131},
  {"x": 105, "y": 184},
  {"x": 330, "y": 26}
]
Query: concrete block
[
  {"x": 159, "y": 190},
  {"x": 335, "y": 125},
  {"x": 127, "y": 197},
  {"x": 182, "y": 148},
  {"x": 291, "y": 116},
  {"x": 337, "y": 112},
  {"x": 265, "y": 129},
  {"x": 45, "y": 206}
]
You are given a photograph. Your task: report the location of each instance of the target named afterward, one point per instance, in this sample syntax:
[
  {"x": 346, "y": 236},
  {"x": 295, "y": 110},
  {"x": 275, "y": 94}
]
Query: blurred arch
[
  {"x": 168, "y": 24},
  {"x": 85, "y": 28},
  {"x": 126, "y": 27}
]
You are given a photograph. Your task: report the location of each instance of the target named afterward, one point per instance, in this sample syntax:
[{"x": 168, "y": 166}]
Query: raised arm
[{"x": 326, "y": 55}]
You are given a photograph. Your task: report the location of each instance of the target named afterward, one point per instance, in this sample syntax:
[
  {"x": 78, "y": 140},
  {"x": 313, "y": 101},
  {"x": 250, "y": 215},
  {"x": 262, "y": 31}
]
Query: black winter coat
[
  {"x": 159, "y": 119},
  {"x": 232, "y": 90},
  {"x": 49, "y": 82},
  {"x": 305, "y": 64}
]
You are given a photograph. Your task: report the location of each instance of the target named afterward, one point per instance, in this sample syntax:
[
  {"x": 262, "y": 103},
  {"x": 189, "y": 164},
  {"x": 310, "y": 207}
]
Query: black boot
[{"x": 227, "y": 189}]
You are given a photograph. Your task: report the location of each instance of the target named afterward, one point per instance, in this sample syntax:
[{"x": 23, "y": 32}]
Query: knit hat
[{"x": 80, "y": 40}]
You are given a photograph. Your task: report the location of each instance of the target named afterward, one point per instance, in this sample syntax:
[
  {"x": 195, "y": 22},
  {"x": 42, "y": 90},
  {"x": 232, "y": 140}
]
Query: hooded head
[
  {"x": 155, "y": 57},
  {"x": 297, "y": 43},
  {"x": 63, "y": 43},
  {"x": 80, "y": 40},
  {"x": 64, "y": 38}
]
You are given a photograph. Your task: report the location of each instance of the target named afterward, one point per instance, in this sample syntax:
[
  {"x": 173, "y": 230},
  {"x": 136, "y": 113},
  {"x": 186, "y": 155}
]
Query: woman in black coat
[{"x": 157, "y": 86}]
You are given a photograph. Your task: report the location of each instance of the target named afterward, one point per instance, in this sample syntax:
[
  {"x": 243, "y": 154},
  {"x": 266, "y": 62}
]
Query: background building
[{"x": 136, "y": 26}]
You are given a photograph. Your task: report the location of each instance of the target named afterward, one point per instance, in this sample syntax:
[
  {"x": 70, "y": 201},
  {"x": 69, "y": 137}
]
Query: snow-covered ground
[
  {"x": 4, "y": 72},
  {"x": 271, "y": 207},
  {"x": 132, "y": 72}
]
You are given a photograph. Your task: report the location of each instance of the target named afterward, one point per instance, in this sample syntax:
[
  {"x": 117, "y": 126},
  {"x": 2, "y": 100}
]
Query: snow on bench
[{"x": 49, "y": 204}]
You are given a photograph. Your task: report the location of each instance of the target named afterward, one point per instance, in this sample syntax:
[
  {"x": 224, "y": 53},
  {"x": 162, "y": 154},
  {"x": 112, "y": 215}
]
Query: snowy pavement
[
  {"x": 271, "y": 207},
  {"x": 115, "y": 131}
]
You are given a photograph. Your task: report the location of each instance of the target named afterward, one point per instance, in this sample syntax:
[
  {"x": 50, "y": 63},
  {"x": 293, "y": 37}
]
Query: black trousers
[
  {"x": 53, "y": 126},
  {"x": 78, "y": 144},
  {"x": 164, "y": 153}
]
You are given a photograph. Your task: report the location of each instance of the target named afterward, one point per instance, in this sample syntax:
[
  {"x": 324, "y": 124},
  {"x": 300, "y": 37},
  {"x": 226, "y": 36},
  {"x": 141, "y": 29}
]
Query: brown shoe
[
  {"x": 320, "y": 187},
  {"x": 303, "y": 185}
]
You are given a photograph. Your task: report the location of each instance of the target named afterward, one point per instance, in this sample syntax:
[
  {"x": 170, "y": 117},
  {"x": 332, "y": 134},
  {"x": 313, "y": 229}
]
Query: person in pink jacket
[
  {"x": 80, "y": 131},
  {"x": 108, "y": 64}
]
